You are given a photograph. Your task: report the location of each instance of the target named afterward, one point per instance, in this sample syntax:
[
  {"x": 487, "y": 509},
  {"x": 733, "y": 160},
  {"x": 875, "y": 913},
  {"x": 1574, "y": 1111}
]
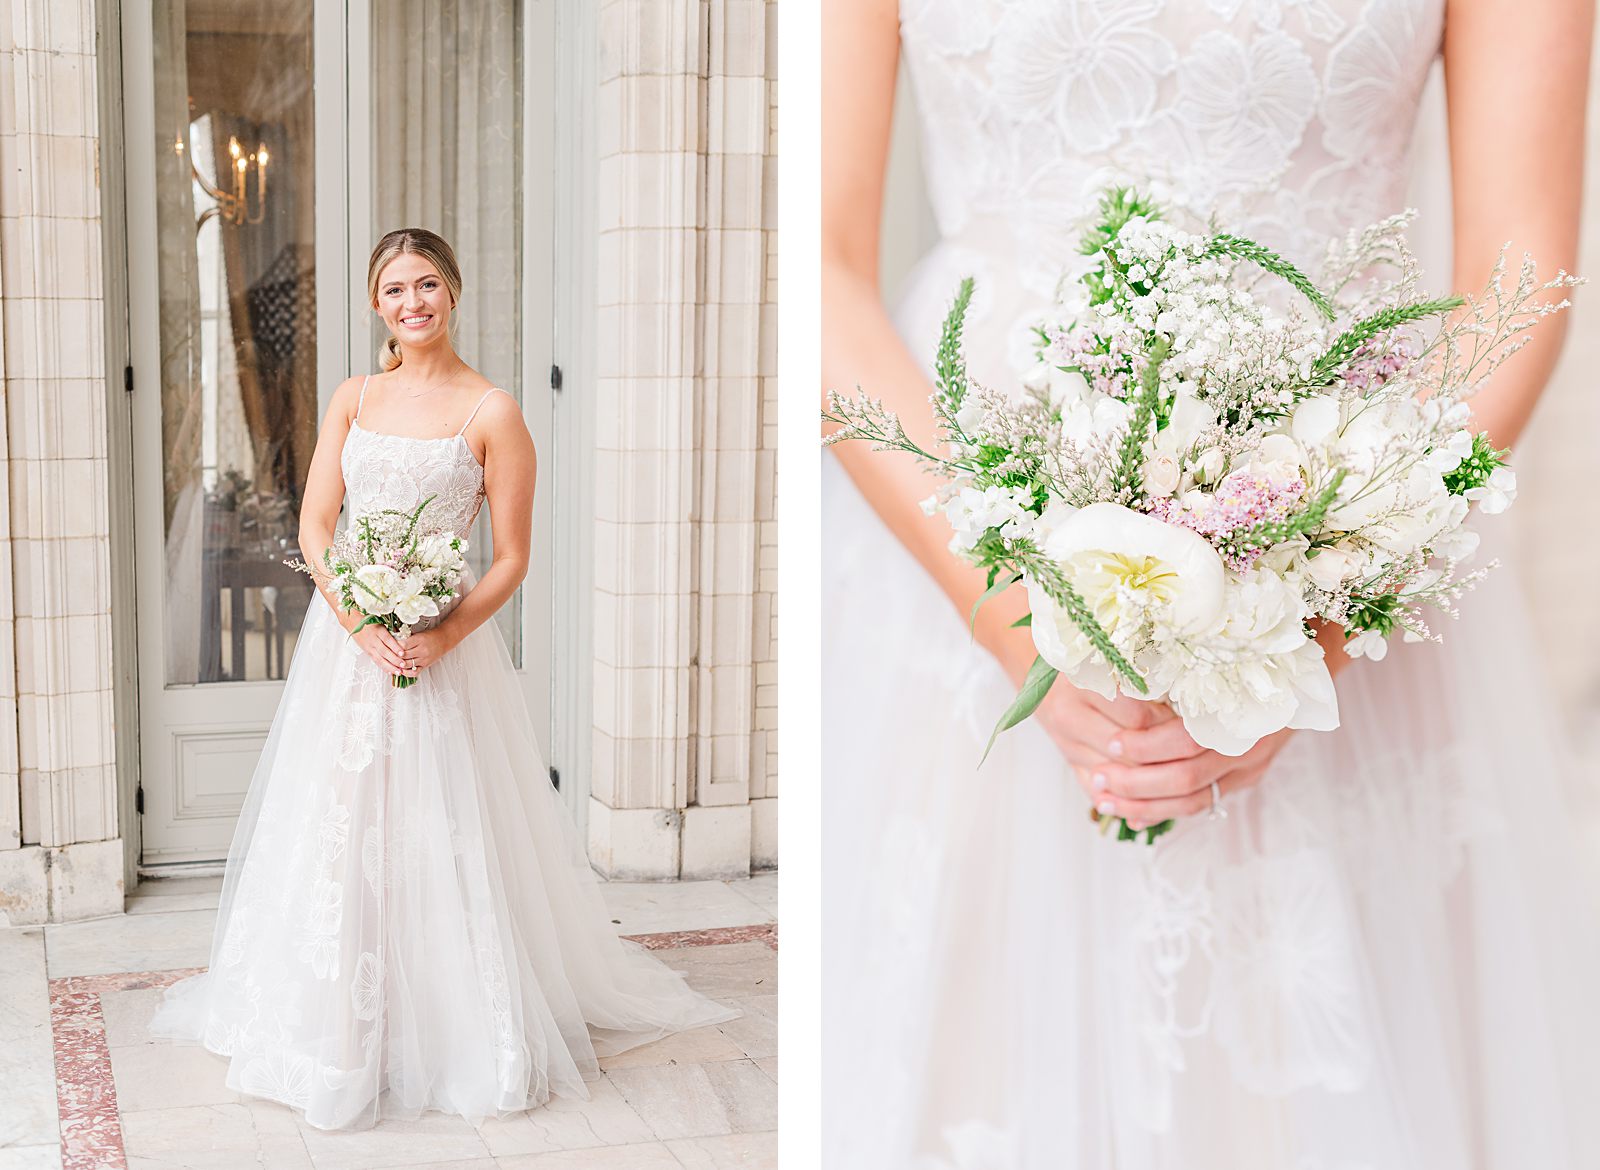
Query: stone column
[
  {"x": 60, "y": 852},
  {"x": 684, "y": 461}
]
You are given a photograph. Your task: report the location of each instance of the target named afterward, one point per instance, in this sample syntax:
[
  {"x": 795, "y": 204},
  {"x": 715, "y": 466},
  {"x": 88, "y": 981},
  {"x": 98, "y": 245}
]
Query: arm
[
  {"x": 860, "y": 54},
  {"x": 1516, "y": 84},
  {"x": 319, "y": 513},
  {"x": 510, "y": 469},
  {"x": 324, "y": 492}
]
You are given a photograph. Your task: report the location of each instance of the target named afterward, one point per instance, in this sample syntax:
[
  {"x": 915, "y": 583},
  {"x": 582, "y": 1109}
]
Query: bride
[
  {"x": 408, "y": 921},
  {"x": 1385, "y": 956}
]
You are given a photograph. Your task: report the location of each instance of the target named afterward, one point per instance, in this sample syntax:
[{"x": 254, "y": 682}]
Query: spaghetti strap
[
  {"x": 475, "y": 409},
  {"x": 363, "y": 397}
]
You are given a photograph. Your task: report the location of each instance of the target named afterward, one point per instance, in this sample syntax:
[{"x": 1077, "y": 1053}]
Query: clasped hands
[
  {"x": 408, "y": 657},
  {"x": 1135, "y": 759}
]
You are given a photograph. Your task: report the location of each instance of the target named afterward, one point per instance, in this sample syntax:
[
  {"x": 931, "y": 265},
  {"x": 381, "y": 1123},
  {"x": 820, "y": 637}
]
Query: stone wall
[
  {"x": 684, "y": 759},
  {"x": 61, "y": 855}
]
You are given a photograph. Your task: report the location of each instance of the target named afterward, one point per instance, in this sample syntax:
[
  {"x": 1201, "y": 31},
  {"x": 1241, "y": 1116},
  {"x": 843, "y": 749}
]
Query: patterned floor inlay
[{"x": 91, "y": 1130}]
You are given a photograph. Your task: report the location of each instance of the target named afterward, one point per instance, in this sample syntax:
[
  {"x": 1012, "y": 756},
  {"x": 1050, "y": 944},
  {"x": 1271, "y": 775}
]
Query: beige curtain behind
[{"x": 446, "y": 137}]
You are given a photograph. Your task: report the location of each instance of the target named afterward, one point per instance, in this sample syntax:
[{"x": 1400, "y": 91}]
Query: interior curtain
[{"x": 447, "y": 156}]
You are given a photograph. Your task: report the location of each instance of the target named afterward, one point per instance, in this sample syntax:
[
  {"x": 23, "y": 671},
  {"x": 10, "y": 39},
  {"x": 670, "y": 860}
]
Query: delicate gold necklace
[{"x": 451, "y": 378}]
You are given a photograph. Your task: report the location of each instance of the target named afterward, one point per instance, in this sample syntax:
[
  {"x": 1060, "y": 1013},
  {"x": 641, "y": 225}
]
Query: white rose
[
  {"x": 1161, "y": 473},
  {"x": 1207, "y": 465},
  {"x": 376, "y": 587},
  {"x": 1261, "y": 674},
  {"x": 1278, "y": 458}
]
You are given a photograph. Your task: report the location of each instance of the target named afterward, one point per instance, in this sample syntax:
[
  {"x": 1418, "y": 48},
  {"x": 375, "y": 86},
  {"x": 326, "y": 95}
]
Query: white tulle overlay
[
  {"x": 408, "y": 920},
  {"x": 1385, "y": 957}
]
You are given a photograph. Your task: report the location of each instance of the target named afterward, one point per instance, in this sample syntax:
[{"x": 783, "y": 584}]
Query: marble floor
[{"x": 86, "y": 1087}]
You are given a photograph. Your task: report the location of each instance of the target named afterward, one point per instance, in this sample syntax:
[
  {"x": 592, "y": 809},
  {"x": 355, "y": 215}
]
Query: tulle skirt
[
  {"x": 1385, "y": 958},
  {"x": 408, "y": 920}
]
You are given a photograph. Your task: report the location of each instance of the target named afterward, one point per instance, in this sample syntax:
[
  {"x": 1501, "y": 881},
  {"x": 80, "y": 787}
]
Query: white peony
[
  {"x": 1131, "y": 571},
  {"x": 377, "y": 587},
  {"x": 1062, "y": 387},
  {"x": 1255, "y": 672},
  {"x": 411, "y": 604}
]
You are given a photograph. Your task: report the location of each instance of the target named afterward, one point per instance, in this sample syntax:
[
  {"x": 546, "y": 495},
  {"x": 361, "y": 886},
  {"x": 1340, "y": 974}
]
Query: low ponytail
[{"x": 389, "y": 354}]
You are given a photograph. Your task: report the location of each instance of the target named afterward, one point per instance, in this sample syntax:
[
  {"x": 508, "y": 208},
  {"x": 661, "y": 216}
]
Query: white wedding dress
[
  {"x": 1385, "y": 957},
  {"x": 408, "y": 920}
]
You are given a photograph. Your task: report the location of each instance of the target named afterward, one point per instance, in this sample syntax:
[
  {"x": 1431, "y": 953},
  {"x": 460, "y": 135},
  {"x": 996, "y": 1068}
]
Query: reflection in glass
[
  {"x": 447, "y": 156},
  {"x": 238, "y": 342}
]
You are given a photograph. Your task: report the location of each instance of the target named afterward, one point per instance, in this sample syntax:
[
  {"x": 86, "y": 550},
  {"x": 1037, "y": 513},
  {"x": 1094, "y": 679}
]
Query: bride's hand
[
  {"x": 425, "y": 647},
  {"x": 1161, "y": 774},
  {"x": 382, "y": 647}
]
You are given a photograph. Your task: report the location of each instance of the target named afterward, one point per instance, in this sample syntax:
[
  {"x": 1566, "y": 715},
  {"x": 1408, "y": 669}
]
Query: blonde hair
[{"x": 420, "y": 242}]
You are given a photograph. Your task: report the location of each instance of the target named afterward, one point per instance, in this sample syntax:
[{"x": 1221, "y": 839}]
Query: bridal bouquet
[
  {"x": 386, "y": 566},
  {"x": 1189, "y": 477}
]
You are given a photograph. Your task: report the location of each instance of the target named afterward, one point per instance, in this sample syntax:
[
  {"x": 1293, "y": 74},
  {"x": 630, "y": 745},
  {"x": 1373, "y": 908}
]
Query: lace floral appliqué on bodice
[
  {"x": 1290, "y": 119},
  {"x": 394, "y": 471}
]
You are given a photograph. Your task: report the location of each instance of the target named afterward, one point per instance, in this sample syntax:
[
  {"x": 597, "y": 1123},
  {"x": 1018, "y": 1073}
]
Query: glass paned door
[
  {"x": 227, "y": 105},
  {"x": 237, "y": 296}
]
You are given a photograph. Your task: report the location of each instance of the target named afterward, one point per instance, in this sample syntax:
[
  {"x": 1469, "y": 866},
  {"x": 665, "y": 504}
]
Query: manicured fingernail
[
  {"x": 1105, "y": 808},
  {"x": 1114, "y": 747},
  {"x": 1098, "y": 780}
]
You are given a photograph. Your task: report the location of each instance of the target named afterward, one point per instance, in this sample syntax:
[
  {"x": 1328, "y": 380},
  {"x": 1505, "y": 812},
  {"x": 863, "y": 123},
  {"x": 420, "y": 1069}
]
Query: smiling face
[{"x": 414, "y": 300}]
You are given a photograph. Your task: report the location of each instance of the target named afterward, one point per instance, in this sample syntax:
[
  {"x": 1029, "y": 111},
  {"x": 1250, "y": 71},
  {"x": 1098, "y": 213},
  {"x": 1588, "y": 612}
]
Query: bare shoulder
[
  {"x": 501, "y": 414},
  {"x": 342, "y": 403}
]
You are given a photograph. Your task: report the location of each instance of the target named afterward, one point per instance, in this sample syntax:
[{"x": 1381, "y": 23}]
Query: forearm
[
  {"x": 485, "y": 598},
  {"x": 315, "y": 538},
  {"x": 861, "y": 349}
]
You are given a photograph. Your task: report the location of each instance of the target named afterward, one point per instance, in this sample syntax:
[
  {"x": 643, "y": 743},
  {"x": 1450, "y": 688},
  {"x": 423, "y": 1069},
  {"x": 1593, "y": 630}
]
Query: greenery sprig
[
  {"x": 1264, "y": 258},
  {"x": 1128, "y": 475},
  {"x": 1344, "y": 347},
  {"x": 950, "y": 364}
]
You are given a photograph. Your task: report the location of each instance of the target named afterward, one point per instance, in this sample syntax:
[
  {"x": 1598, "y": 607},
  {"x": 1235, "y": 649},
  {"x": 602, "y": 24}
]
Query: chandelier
[{"x": 233, "y": 206}]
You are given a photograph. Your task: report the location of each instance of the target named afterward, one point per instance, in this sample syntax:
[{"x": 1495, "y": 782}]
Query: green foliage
[
  {"x": 1239, "y": 248},
  {"x": 949, "y": 366},
  {"x": 1117, "y": 207},
  {"x": 1041, "y": 677},
  {"x": 998, "y": 583},
  {"x": 1380, "y": 612},
  {"x": 1128, "y": 475},
  {"x": 1475, "y": 469},
  {"x": 1345, "y": 345}
]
